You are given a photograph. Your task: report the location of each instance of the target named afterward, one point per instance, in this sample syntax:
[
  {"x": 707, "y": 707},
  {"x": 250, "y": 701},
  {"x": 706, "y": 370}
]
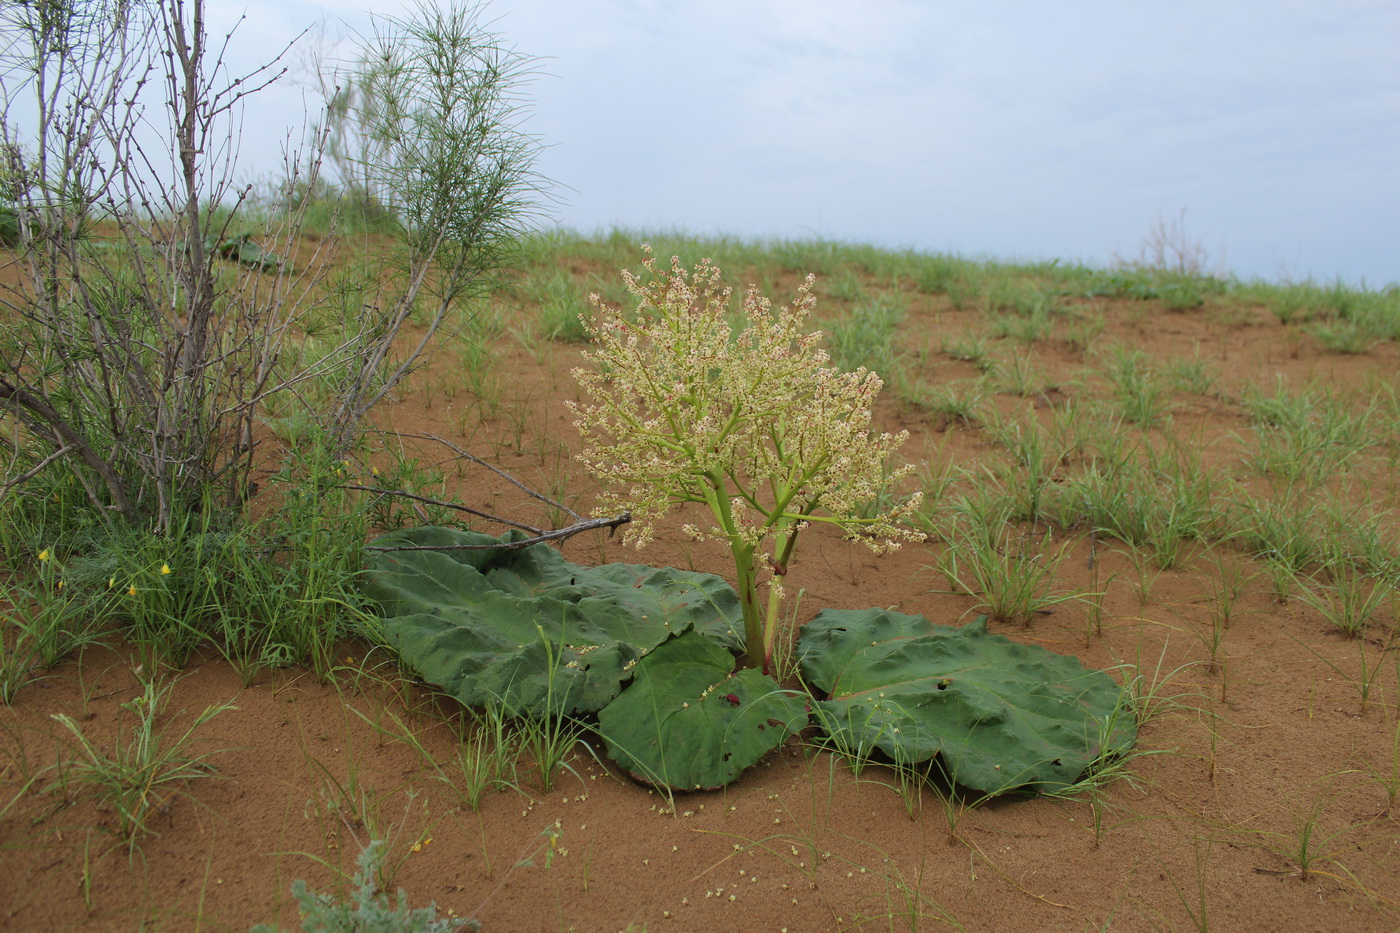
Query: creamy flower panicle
[{"x": 755, "y": 424}]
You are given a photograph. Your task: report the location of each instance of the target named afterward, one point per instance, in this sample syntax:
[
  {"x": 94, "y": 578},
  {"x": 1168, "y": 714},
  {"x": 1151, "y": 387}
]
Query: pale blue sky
[{"x": 1006, "y": 129}]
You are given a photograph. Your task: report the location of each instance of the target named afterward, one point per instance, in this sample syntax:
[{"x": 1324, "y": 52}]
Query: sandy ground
[{"x": 1258, "y": 803}]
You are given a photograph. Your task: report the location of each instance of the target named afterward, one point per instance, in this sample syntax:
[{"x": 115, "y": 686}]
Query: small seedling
[
  {"x": 1093, "y": 596},
  {"x": 1146, "y": 691},
  {"x": 1199, "y": 911},
  {"x": 1366, "y": 681}
]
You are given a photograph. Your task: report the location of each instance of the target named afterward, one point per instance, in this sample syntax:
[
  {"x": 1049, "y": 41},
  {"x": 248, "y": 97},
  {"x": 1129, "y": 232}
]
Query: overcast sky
[{"x": 997, "y": 128}]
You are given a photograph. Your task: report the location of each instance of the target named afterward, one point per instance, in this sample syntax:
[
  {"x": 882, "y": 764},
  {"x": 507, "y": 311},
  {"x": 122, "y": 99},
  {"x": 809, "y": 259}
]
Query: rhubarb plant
[{"x": 754, "y": 424}]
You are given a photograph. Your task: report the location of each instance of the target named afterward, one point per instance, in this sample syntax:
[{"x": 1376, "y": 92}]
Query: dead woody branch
[{"x": 537, "y": 535}]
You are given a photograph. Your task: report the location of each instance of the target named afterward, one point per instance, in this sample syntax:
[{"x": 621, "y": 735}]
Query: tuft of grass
[
  {"x": 487, "y": 756},
  {"x": 1019, "y": 375},
  {"x": 1290, "y": 303},
  {"x": 1084, "y": 327},
  {"x": 865, "y": 337},
  {"x": 1153, "y": 692},
  {"x": 836, "y": 737},
  {"x": 958, "y": 402},
  {"x": 1199, "y": 910},
  {"x": 561, "y": 302},
  {"x": 1307, "y": 437},
  {"x": 1313, "y": 840},
  {"x": 785, "y": 665},
  {"x": 548, "y": 740},
  {"x": 1159, "y": 502},
  {"x": 1036, "y": 455},
  {"x": 1192, "y": 374},
  {"x": 44, "y": 622},
  {"x": 1142, "y": 393},
  {"x": 972, "y": 348},
  {"x": 1026, "y": 326},
  {"x": 1388, "y": 779},
  {"x": 1367, "y": 679},
  {"x": 484, "y": 753},
  {"x": 1108, "y": 770},
  {"x": 1282, "y": 531},
  {"x": 1012, "y": 574},
  {"x": 1222, "y": 590},
  {"x": 1347, "y": 598},
  {"x": 935, "y": 274},
  {"x": 1348, "y": 337},
  {"x": 954, "y": 801},
  {"x": 965, "y": 289},
  {"x": 146, "y": 770}
]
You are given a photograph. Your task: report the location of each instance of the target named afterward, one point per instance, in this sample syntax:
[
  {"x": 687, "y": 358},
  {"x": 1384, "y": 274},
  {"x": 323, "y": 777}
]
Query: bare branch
[
  {"x": 587, "y": 524},
  {"x": 497, "y": 470},
  {"x": 444, "y": 504},
  {"x": 62, "y": 430},
  {"x": 35, "y": 470}
]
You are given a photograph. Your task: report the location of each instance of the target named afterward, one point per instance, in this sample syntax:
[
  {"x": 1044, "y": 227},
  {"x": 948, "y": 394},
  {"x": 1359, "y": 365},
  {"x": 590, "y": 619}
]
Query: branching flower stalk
[{"x": 755, "y": 425}]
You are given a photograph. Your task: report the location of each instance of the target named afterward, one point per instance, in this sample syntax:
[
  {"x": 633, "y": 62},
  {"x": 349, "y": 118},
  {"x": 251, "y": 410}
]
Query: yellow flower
[
  {"x": 44, "y": 554},
  {"x": 111, "y": 582},
  {"x": 164, "y": 570},
  {"x": 131, "y": 590}
]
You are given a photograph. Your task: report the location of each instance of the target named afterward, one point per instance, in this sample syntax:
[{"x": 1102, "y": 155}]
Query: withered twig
[
  {"x": 444, "y": 504},
  {"x": 538, "y": 535},
  {"x": 498, "y": 471},
  {"x": 587, "y": 524},
  {"x": 30, "y": 474}
]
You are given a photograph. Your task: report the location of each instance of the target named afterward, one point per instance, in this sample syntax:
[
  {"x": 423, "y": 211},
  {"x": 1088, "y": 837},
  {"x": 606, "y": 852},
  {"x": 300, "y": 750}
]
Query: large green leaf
[
  {"x": 528, "y": 629},
  {"x": 1000, "y": 715},
  {"x": 689, "y": 722}
]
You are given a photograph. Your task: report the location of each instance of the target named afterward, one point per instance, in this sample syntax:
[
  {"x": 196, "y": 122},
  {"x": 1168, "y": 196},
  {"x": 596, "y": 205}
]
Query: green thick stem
[
  {"x": 770, "y": 625},
  {"x": 786, "y": 544},
  {"x": 745, "y": 571},
  {"x": 755, "y": 636},
  {"x": 760, "y": 627}
]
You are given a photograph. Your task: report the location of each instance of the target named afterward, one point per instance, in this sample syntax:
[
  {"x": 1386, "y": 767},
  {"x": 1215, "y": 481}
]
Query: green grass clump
[
  {"x": 561, "y": 302},
  {"x": 1159, "y": 502},
  {"x": 866, "y": 336},
  {"x": 1013, "y": 574},
  {"x": 43, "y": 621},
  {"x": 268, "y": 592},
  {"x": 1142, "y": 392},
  {"x": 1308, "y": 436},
  {"x": 147, "y": 767}
]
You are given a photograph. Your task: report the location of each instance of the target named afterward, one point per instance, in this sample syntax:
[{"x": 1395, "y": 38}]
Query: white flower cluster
[{"x": 755, "y": 424}]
